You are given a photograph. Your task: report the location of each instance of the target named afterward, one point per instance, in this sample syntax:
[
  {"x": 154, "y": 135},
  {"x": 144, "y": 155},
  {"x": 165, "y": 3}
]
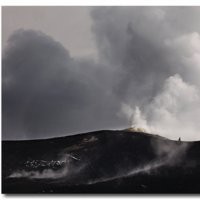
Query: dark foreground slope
[{"x": 101, "y": 162}]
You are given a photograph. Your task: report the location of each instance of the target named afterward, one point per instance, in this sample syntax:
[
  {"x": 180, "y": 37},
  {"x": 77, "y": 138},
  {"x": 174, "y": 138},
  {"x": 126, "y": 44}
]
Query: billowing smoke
[
  {"x": 155, "y": 52},
  {"x": 48, "y": 93},
  {"x": 146, "y": 75},
  {"x": 174, "y": 112}
]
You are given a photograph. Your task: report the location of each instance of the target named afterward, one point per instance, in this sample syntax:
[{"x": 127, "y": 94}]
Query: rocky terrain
[{"x": 123, "y": 161}]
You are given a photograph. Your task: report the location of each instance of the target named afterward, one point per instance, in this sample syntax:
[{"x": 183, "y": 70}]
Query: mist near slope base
[
  {"x": 64, "y": 171},
  {"x": 167, "y": 154}
]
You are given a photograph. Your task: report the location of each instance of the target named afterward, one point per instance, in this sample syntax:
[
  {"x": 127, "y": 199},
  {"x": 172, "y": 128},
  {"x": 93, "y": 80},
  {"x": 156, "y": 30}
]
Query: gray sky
[
  {"x": 69, "y": 25},
  {"x": 146, "y": 73}
]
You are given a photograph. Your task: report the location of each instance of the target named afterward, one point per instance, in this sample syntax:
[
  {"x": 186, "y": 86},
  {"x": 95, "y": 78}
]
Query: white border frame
[
  {"x": 100, "y": 2},
  {"x": 93, "y": 3}
]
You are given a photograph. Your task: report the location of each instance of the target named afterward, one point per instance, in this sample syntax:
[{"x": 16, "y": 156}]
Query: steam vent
[{"x": 136, "y": 129}]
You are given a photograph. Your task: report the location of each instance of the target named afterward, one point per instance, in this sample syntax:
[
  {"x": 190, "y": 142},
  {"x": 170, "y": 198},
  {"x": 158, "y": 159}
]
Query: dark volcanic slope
[{"x": 101, "y": 162}]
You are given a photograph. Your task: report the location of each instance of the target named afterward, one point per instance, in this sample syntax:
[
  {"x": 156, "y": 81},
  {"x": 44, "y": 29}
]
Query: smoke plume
[
  {"x": 155, "y": 55},
  {"x": 146, "y": 75}
]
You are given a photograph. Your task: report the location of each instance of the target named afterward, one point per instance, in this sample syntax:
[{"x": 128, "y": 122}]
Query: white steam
[
  {"x": 173, "y": 113},
  {"x": 45, "y": 174},
  {"x": 158, "y": 52}
]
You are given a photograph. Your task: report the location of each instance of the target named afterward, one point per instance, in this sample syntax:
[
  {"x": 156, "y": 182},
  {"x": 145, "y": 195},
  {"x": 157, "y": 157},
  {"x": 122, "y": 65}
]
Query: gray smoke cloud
[
  {"x": 48, "y": 93},
  {"x": 155, "y": 52},
  {"x": 147, "y": 74}
]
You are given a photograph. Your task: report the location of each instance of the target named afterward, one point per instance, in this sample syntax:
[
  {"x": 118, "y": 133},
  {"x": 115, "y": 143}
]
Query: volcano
[{"x": 106, "y": 161}]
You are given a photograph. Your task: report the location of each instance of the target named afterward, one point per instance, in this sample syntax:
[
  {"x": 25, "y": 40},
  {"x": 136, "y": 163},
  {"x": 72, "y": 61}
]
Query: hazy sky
[
  {"x": 68, "y": 70},
  {"x": 69, "y": 25}
]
